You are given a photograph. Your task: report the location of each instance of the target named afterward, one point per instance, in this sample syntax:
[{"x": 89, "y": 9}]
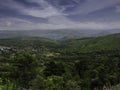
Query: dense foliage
[{"x": 42, "y": 64}]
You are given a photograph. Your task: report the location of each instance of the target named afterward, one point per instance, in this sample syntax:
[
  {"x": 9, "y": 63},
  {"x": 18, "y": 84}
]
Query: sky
[{"x": 59, "y": 14}]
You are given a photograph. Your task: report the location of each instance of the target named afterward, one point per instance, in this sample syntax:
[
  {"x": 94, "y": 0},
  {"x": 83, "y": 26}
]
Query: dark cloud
[
  {"x": 6, "y": 12},
  {"x": 28, "y": 4}
]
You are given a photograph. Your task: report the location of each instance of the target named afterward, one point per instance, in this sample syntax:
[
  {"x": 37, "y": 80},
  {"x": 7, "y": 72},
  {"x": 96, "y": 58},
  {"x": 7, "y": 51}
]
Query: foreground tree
[
  {"x": 53, "y": 68},
  {"x": 24, "y": 69}
]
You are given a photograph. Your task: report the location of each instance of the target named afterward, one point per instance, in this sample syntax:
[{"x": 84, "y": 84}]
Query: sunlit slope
[
  {"x": 110, "y": 42},
  {"x": 26, "y": 42}
]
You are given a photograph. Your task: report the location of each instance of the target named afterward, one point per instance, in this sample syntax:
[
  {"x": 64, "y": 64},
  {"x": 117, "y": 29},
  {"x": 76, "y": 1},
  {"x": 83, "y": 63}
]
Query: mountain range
[{"x": 56, "y": 34}]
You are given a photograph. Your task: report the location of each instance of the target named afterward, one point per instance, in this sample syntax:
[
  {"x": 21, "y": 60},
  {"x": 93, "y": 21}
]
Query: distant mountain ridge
[{"x": 56, "y": 34}]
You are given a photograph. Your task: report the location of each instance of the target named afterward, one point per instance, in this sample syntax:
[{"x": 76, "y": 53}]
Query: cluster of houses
[
  {"x": 5, "y": 49},
  {"x": 2, "y": 48}
]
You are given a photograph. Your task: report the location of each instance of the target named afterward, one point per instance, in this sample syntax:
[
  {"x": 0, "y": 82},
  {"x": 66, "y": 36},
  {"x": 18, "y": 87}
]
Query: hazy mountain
[{"x": 56, "y": 34}]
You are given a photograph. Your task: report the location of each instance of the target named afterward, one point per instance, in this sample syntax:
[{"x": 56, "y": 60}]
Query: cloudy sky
[{"x": 59, "y": 14}]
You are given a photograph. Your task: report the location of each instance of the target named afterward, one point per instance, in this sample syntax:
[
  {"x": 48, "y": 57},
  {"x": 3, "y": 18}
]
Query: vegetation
[{"x": 76, "y": 64}]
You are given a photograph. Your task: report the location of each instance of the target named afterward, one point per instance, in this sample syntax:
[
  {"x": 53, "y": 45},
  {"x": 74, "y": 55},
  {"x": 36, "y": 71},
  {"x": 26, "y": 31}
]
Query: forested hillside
[
  {"x": 109, "y": 42},
  {"x": 74, "y": 64}
]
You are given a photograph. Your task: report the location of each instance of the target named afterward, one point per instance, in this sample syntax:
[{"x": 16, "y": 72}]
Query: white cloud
[
  {"x": 13, "y": 22},
  {"x": 8, "y": 23},
  {"x": 118, "y": 9},
  {"x": 44, "y": 10},
  {"x": 20, "y": 24},
  {"x": 47, "y": 11}
]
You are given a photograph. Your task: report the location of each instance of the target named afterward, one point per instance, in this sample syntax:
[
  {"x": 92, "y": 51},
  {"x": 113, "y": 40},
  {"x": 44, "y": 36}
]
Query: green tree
[
  {"x": 24, "y": 69},
  {"x": 53, "y": 68}
]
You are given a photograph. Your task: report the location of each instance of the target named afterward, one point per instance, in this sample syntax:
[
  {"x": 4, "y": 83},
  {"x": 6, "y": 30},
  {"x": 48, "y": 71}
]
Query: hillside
[
  {"x": 110, "y": 42},
  {"x": 27, "y": 42}
]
